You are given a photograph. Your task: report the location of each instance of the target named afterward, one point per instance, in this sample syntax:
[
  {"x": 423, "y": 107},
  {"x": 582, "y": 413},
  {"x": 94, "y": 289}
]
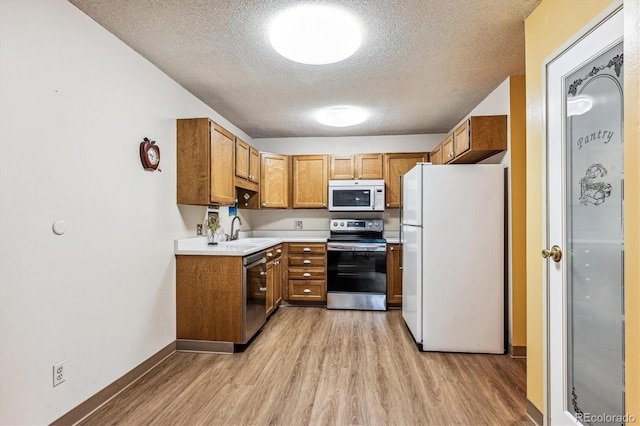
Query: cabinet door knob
[
  {"x": 391, "y": 248},
  {"x": 324, "y": 204},
  {"x": 360, "y": 177},
  {"x": 269, "y": 254},
  {"x": 387, "y": 204},
  {"x": 306, "y": 274},
  {"x": 264, "y": 204},
  {"x": 262, "y": 274},
  {"x": 306, "y": 290},
  {"x": 263, "y": 289},
  {"x": 278, "y": 251},
  {"x": 306, "y": 249},
  {"x": 306, "y": 261}
]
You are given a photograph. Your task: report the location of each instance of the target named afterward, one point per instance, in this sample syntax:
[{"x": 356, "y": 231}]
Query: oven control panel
[{"x": 356, "y": 225}]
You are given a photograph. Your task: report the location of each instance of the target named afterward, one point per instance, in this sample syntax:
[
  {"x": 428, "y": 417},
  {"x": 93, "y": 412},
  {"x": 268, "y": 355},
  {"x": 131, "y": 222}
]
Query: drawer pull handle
[
  {"x": 278, "y": 251},
  {"x": 269, "y": 254},
  {"x": 306, "y": 261},
  {"x": 306, "y": 249},
  {"x": 306, "y": 290},
  {"x": 263, "y": 289},
  {"x": 306, "y": 275},
  {"x": 262, "y": 274}
]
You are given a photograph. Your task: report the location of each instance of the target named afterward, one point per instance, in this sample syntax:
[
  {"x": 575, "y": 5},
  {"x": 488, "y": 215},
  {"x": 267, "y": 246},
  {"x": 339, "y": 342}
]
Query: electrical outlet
[
  {"x": 58, "y": 373},
  {"x": 199, "y": 229},
  {"x": 297, "y": 224}
]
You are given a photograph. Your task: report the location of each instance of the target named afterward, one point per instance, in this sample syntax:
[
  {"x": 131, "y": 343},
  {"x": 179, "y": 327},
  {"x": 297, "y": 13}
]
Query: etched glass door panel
[{"x": 595, "y": 238}]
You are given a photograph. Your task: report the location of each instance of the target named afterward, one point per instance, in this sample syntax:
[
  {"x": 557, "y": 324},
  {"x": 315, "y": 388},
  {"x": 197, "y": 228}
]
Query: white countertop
[
  {"x": 242, "y": 247},
  {"x": 260, "y": 240}
]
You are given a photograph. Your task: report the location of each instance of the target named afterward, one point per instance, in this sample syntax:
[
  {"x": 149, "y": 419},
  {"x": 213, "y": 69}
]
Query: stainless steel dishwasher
[{"x": 254, "y": 294}]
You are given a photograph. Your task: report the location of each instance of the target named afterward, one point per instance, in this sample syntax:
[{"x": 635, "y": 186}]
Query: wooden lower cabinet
[
  {"x": 278, "y": 278},
  {"x": 209, "y": 298},
  {"x": 394, "y": 275},
  {"x": 271, "y": 287},
  {"x": 274, "y": 278},
  {"x": 307, "y": 272}
]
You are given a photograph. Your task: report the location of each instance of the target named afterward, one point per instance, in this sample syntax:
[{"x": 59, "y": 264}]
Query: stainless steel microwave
[{"x": 356, "y": 195}]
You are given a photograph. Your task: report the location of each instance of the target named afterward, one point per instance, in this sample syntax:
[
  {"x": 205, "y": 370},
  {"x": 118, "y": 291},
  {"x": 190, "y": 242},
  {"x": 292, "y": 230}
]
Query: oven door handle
[{"x": 337, "y": 247}]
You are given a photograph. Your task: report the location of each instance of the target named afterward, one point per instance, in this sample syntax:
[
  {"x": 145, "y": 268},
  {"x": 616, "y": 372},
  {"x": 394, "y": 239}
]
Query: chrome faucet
[{"x": 234, "y": 235}]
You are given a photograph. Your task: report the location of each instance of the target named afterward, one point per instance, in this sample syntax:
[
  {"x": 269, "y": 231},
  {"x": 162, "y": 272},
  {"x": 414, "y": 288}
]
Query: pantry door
[{"x": 585, "y": 239}]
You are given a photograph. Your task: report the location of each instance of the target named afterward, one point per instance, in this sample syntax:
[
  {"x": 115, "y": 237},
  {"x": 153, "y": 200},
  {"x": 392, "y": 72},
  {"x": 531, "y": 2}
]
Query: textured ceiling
[{"x": 423, "y": 64}]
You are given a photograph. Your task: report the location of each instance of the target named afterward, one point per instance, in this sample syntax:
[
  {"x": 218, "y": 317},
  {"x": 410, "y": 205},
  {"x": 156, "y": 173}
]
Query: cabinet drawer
[
  {"x": 308, "y": 248},
  {"x": 307, "y": 290},
  {"x": 274, "y": 252},
  {"x": 306, "y": 273},
  {"x": 306, "y": 261}
]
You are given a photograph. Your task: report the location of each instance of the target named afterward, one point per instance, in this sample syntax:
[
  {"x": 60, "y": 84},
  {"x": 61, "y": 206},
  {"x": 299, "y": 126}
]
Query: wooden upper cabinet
[
  {"x": 436, "y": 155},
  {"x": 447, "y": 150},
  {"x": 477, "y": 138},
  {"x": 396, "y": 165},
  {"x": 222, "y": 185},
  {"x": 461, "y": 142},
  {"x": 360, "y": 166},
  {"x": 242, "y": 159},
  {"x": 254, "y": 165},
  {"x": 369, "y": 166},
  {"x": 274, "y": 190},
  {"x": 247, "y": 165},
  {"x": 342, "y": 167},
  {"x": 205, "y": 167},
  {"x": 309, "y": 179}
]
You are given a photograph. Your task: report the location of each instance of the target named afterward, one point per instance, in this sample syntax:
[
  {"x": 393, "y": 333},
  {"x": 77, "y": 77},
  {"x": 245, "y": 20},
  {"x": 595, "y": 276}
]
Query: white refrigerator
[{"x": 453, "y": 257}]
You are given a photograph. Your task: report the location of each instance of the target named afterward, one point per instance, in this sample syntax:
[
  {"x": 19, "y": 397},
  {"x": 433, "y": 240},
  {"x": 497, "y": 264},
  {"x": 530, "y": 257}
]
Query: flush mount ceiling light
[
  {"x": 315, "y": 35},
  {"x": 342, "y": 116}
]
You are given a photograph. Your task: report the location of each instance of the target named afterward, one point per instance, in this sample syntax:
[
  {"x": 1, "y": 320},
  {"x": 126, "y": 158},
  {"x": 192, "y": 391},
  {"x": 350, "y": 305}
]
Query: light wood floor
[{"x": 312, "y": 366}]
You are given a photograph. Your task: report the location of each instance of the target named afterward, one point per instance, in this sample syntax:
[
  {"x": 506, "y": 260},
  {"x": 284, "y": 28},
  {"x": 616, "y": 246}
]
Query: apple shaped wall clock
[{"x": 150, "y": 155}]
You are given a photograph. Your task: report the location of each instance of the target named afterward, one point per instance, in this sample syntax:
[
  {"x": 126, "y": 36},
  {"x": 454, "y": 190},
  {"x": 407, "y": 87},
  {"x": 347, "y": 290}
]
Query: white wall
[
  {"x": 348, "y": 145},
  {"x": 74, "y": 104}
]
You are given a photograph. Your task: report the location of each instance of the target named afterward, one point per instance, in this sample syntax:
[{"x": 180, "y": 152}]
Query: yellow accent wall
[
  {"x": 518, "y": 119},
  {"x": 550, "y": 26}
]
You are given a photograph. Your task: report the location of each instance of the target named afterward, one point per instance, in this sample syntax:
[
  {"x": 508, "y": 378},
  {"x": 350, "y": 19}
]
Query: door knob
[{"x": 555, "y": 253}]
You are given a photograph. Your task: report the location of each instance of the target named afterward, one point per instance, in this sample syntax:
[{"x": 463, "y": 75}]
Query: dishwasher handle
[{"x": 254, "y": 259}]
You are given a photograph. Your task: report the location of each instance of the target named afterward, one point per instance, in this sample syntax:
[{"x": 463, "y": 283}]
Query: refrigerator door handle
[{"x": 401, "y": 219}]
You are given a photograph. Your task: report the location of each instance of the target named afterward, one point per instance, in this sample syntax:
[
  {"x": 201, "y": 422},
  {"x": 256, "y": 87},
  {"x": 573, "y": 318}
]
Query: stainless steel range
[{"x": 356, "y": 265}]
